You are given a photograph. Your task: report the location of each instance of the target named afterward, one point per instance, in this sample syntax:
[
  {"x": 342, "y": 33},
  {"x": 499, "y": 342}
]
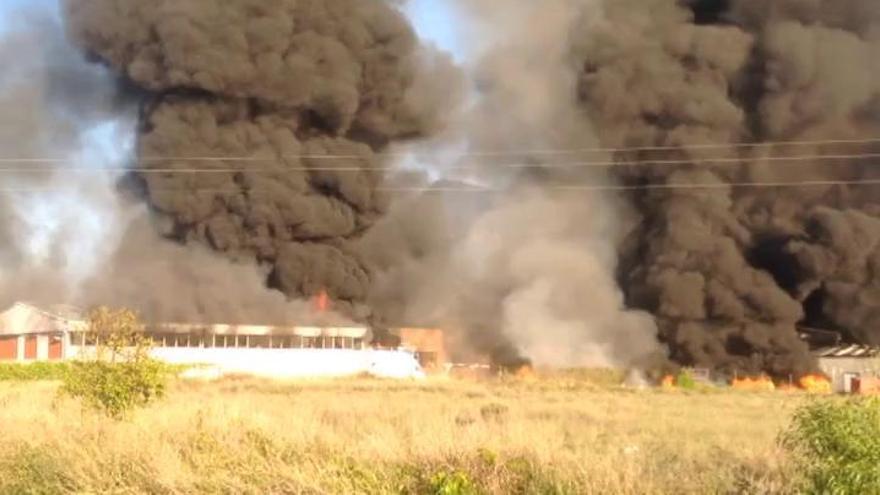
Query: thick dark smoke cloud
[
  {"x": 526, "y": 272},
  {"x": 730, "y": 271},
  {"x": 303, "y": 93}
]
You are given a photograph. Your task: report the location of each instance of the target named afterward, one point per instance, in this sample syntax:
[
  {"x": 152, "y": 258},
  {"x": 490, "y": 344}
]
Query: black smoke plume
[
  {"x": 261, "y": 123},
  {"x": 727, "y": 267}
]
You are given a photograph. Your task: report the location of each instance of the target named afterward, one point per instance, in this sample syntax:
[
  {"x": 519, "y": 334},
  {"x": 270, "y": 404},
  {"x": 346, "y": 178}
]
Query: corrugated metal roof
[{"x": 848, "y": 351}]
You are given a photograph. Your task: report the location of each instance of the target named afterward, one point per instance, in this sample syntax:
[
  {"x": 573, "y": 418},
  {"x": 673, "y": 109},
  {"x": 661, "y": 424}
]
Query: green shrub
[
  {"x": 122, "y": 376},
  {"x": 40, "y": 370},
  {"x": 116, "y": 388},
  {"x": 837, "y": 446},
  {"x": 453, "y": 483},
  {"x": 685, "y": 380}
]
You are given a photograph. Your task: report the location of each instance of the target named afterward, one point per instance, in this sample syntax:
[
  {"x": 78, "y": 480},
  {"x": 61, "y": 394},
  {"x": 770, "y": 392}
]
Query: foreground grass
[{"x": 560, "y": 435}]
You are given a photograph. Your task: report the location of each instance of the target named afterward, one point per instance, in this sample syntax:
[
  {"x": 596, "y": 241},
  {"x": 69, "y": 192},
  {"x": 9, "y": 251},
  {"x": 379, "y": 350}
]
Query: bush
[
  {"x": 122, "y": 376},
  {"x": 40, "y": 370},
  {"x": 837, "y": 445},
  {"x": 116, "y": 388},
  {"x": 452, "y": 483},
  {"x": 685, "y": 380}
]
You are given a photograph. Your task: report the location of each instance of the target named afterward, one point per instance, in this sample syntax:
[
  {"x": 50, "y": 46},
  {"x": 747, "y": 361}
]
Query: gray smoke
[
  {"x": 526, "y": 273},
  {"x": 53, "y": 102}
]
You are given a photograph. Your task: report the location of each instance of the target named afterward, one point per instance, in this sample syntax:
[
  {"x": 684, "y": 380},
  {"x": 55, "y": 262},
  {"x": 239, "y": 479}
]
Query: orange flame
[
  {"x": 815, "y": 384},
  {"x": 322, "y": 301},
  {"x": 525, "y": 372},
  {"x": 668, "y": 382},
  {"x": 757, "y": 384}
]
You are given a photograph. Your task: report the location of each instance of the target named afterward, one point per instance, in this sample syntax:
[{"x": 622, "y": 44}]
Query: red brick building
[{"x": 28, "y": 333}]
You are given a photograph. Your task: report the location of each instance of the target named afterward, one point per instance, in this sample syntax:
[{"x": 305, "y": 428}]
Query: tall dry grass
[{"x": 553, "y": 435}]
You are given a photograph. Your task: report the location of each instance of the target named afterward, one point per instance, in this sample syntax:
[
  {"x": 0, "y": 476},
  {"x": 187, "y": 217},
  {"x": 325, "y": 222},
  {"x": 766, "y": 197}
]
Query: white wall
[
  {"x": 290, "y": 363},
  {"x": 835, "y": 368},
  {"x": 66, "y": 351},
  {"x": 42, "y": 347}
]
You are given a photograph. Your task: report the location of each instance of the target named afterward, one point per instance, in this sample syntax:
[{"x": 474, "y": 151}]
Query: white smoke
[
  {"x": 55, "y": 205},
  {"x": 533, "y": 265}
]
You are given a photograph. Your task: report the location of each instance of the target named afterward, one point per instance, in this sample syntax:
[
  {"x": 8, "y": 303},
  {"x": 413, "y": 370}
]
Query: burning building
[
  {"x": 851, "y": 368},
  {"x": 429, "y": 344},
  {"x": 683, "y": 180},
  {"x": 29, "y": 334}
]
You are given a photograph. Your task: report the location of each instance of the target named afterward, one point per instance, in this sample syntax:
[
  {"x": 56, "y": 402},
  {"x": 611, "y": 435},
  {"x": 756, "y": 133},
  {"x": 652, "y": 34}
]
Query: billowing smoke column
[
  {"x": 263, "y": 122},
  {"x": 725, "y": 245},
  {"x": 262, "y": 119},
  {"x": 728, "y": 264},
  {"x": 514, "y": 267}
]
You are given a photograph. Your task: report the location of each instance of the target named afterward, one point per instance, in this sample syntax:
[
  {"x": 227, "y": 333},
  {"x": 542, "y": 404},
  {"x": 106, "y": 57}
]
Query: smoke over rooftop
[
  {"x": 619, "y": 216},
  {"x": 526, "y": 272},
  {"x": 244, "y": 104}
]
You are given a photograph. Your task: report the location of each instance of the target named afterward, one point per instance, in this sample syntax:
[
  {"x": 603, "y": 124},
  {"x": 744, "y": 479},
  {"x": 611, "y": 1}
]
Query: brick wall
[{"x": 428, "y": 342}]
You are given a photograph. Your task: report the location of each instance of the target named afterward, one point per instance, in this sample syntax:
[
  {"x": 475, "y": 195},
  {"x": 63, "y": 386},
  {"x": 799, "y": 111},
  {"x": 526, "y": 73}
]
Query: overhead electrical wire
[
  {"x": 562, "y": 165},
  {"x": 476, "y": 189},
  {"x": 551, "y": 187},
  {"x": 509, "y": 152}
]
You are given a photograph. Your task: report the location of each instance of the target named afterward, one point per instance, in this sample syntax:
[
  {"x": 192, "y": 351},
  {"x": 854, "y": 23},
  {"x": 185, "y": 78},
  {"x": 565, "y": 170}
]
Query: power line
[
  {"x": 562, "y": 165},
  {"x": 656, "y": 186},
  {"x": 552, "y": 187},
  {"x": 548, "y": 151}
]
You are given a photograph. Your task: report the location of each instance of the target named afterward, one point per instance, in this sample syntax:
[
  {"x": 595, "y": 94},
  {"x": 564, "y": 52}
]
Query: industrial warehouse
[{"x": 29, "y": 333}]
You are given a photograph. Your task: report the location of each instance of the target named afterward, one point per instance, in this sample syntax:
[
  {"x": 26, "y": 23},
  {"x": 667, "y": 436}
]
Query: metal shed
[{"x": 843, "y": 363}]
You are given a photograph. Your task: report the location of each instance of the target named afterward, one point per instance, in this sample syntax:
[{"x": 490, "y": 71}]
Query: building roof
[
  {"x": 27, "y": 319},
  {"x": 848, "y": 351},
  {"x": 192, "y": 328}
]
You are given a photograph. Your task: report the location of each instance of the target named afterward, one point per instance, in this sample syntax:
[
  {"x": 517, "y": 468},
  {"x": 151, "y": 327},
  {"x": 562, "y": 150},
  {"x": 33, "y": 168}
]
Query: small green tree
[{"x": 121, "y": 375}]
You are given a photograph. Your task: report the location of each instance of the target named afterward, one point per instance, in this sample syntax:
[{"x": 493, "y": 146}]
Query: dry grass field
[{"x": 561, "y": 434}]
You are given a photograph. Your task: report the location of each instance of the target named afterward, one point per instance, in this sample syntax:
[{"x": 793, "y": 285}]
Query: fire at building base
[{"x": 29, "y": 334}]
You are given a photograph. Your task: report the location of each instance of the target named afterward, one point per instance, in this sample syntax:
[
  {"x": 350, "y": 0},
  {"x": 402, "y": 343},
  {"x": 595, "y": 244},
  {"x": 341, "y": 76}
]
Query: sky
[
  {"x": 9, "y": 9},
  {"x": 435, "y": 21}
]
